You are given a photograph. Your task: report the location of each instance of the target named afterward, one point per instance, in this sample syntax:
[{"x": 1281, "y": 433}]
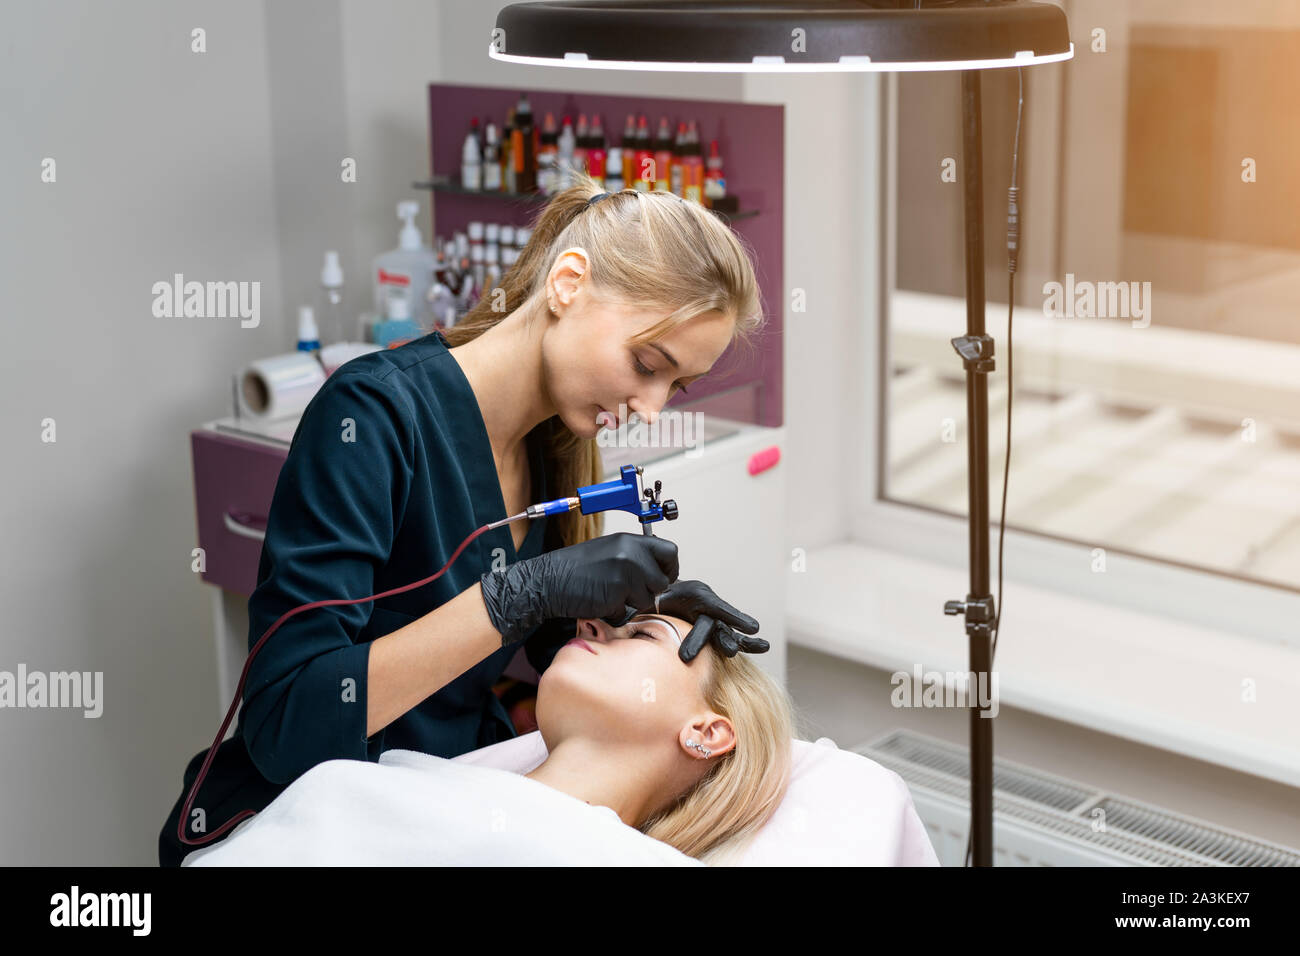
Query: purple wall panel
[{"x": 751, "y": 140}]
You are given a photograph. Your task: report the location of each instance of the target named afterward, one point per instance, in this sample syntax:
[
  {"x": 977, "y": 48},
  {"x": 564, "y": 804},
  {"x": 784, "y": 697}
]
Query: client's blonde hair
[{"x": 717, "y": 817}]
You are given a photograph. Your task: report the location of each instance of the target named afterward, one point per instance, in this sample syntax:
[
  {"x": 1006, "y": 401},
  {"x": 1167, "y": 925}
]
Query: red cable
[{"x": 239, "y": 692}]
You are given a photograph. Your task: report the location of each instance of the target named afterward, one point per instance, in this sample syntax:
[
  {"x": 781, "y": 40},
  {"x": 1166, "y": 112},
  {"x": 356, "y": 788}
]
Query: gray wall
[
  {"x": 164, "y": 165},
  {"x": 221, "y": 166}
]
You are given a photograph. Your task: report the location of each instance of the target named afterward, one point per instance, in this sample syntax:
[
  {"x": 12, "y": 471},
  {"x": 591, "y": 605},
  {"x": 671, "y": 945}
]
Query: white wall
[
  {"x": 221, "y": 166},
  {"x": 163, "y": 161},
  {"x": 347, "y": 80},
  {"x": 831, "y": 248}
]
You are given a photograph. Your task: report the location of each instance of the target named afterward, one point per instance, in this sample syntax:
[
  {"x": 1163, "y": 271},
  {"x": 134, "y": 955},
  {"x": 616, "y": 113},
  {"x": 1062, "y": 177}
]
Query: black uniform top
[{"x": 390, "y": 469}]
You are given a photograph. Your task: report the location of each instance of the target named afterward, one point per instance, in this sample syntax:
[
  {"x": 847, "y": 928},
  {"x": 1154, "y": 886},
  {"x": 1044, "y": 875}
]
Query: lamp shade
[{"x": 782, "y": 35}]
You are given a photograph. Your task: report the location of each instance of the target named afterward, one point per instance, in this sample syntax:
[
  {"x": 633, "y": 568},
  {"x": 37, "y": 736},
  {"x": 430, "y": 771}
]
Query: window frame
[{"x": 1197, "y": 596}]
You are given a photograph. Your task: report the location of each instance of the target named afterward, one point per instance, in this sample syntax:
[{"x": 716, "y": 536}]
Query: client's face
[{"x": 625, "y": 685}]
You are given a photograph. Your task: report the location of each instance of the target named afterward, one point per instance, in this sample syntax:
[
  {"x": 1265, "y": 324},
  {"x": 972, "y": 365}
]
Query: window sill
[{"x": 1151, "y": 679}]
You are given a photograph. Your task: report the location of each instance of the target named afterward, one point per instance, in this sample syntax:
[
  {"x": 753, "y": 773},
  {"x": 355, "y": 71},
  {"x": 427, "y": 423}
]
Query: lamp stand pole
[{"x": 976, "y": 351}]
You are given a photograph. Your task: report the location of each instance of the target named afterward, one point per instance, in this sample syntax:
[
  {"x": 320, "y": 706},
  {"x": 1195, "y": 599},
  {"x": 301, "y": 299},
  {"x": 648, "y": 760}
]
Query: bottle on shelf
[
  {"x": 566, "y": 157},
  {"x": 627, "y": 149},
  {"x": 663, "y": 154},
  {"x": 692, "y": 166},
  {"x": 478, "y": 263},
  {"x": 525, "y": 143},
  {"x": 507, "y": 152},
  {"x": 476, "y": 257},
  {"x": 715, "y": 180},
  {"x": 491, "y": 256},
  {"x": 643, "y": 157},
  {"x": 442, "y": 301},
  {"x": 596, "y": 154},
  {"x": 471, "y": 159},
  {"x": 614, "y": 170},
  {"x": 581, "y": 137},
  {"x": 442, "y": 305},
  {"x": 547, "y": 152},
  {"x": 491, "y": 159},
  {"x": 679, "y": 145}
]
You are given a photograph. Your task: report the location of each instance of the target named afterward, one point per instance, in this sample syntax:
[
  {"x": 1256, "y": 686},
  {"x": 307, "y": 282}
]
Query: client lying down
[{"x": 650, "y": 761}]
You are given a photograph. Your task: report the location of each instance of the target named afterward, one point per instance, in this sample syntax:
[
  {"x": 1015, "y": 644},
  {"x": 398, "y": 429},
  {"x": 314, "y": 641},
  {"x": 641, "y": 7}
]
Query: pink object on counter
[{"x": 763, "y": 460}]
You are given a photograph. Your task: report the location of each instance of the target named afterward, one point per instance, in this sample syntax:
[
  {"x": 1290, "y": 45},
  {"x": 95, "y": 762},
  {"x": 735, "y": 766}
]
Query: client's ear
[{"x": 714, "y": 733}]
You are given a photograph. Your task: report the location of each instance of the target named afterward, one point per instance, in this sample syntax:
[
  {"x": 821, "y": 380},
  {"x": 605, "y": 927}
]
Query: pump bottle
[{"x": 409, "y": 268}]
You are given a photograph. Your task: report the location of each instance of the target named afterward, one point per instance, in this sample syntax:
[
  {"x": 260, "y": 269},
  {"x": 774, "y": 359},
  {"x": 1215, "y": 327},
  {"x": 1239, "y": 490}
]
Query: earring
[{"x": 704, "y": 750}]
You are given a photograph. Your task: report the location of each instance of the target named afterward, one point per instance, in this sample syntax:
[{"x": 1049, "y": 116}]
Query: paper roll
[{"x": 280, "y": 385}]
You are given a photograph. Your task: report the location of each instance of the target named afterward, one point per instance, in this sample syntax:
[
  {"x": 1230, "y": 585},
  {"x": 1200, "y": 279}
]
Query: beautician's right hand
[{"x": 596, "y": 578}]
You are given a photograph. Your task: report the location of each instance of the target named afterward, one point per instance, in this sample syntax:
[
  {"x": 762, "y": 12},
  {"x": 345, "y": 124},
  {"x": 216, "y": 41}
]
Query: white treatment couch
[{"x": 842, "y": 809}]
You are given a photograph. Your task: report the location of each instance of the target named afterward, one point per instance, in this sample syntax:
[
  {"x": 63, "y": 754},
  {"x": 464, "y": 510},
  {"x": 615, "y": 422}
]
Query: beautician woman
[{"x": 617, "y": 301}]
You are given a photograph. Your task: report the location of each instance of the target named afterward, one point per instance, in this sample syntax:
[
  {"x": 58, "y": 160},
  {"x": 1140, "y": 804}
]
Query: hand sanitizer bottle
[{"x": 409, "y": 268}]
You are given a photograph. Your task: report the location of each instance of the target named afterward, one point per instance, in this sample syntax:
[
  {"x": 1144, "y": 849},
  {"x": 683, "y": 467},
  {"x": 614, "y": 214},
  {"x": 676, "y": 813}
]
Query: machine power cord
[{"x": 239, "y": 691}]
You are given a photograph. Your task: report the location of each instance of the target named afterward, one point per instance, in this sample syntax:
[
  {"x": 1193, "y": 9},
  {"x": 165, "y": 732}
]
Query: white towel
[{"x": 415, "y": 809}]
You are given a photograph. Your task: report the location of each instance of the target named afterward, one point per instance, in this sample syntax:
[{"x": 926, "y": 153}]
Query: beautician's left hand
[
  {"x": 714, "y": 620},
  {"x": 543, "y": 644}
]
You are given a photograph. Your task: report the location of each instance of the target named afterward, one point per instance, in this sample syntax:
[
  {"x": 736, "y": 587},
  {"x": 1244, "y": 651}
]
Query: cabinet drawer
[{"x": 234, "y": 481}]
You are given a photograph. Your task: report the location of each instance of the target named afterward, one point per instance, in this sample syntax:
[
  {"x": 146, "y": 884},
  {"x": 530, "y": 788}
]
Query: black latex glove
[
  {"x": 714, "y": 620},
  {"x": 544, "y": 643},
  {"x": 591, "y": 579}
]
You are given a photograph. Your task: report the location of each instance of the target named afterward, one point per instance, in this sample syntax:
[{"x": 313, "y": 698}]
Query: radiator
[{"x": 1041, "y": 819}]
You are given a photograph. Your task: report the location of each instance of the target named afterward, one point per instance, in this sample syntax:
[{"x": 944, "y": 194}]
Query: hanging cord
[
  {"x": 239, "y": 691},
  {"x": 1013, "y": 257}
]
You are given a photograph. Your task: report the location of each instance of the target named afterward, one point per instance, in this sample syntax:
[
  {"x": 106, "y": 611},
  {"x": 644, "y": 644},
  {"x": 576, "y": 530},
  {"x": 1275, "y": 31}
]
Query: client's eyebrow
[{"x": 656, "y": 617}]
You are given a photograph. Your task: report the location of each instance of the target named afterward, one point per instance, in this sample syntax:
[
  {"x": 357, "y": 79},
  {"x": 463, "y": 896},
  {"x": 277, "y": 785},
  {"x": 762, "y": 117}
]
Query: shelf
[
  {"x": 751, "y": 137},
  {"x": 444, "y": 184}
]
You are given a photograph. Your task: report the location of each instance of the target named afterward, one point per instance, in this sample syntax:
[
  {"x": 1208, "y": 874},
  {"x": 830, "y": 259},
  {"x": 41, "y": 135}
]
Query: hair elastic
[{"x": 599, "y": 196}]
